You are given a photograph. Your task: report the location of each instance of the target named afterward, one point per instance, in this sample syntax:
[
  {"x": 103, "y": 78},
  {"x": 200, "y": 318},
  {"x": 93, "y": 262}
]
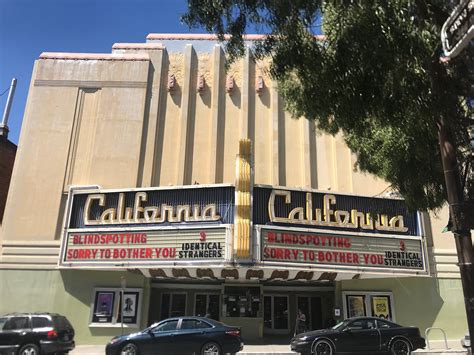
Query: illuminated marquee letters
[
  {"x": 150, "y": 214},
  {"x": 332, "y": 218}
]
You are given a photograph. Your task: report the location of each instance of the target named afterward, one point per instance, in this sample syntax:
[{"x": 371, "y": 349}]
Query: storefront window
[
  {"x": 108, "y": 309},
  {"x": 241, "y": 301}
]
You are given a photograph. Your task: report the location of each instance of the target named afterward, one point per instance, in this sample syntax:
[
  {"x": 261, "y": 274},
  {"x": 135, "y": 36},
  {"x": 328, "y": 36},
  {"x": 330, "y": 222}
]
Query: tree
[{"x": 378, "y": 77}]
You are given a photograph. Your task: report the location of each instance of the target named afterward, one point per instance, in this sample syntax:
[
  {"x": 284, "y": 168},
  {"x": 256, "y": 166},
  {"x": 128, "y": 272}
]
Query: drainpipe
[{"x": 6, "y": 113}]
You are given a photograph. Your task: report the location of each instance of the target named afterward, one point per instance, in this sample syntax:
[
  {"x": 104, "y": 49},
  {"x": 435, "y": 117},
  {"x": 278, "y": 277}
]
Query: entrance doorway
[
  {"x": 275, "y": 314},
  {"x": 311, "y": 307},
  {"x": 173, "y": 305},
  {"x": 207, "y": 305}
]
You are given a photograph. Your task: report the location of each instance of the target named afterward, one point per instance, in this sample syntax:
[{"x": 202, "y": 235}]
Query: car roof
[
  {"x": 18, "y": 314},
  {"x": 204, "y": 319}
]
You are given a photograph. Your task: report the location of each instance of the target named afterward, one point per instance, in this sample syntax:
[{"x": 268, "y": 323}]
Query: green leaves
[{"x": 377, "y": 77}]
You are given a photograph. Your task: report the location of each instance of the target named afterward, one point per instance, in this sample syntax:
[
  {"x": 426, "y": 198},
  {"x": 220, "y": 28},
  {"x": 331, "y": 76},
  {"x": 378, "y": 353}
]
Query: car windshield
[{"x": 339, "y": 325}]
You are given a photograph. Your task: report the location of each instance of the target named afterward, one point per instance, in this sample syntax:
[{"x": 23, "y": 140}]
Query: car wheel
[
  {"x": 400, "y": 347},
  {"x": 129, "y": 349},
  {"x": 323, "y": 347},
  {"x": 211, "y": 349},
  {"x": 29, "y": 349}
]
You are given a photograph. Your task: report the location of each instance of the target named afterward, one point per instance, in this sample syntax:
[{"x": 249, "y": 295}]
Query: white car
[{"x": 466, "y": 341}]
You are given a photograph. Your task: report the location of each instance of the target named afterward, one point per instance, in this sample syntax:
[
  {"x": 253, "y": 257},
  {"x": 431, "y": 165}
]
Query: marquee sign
[
  {"x": 145, "y": 246},
  {"x": 312, "y": 209},
  {"x": 329, "y": 249},
  {"x": 152, "y": 207}
]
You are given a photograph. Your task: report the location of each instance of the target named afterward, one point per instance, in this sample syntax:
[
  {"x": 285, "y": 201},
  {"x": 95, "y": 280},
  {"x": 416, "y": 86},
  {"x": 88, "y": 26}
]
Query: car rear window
[
  {"x": 41, "y": 322},
  {"x": 194, "y": 324},
  {"x": 61, "y": 322},
  {"x": 3, "y": 320},
  {"x": 385, "y": 325}
]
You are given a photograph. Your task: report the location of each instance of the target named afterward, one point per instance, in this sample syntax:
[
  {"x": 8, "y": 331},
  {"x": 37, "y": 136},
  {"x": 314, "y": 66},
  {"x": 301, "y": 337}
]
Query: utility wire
[{"x": 4, "y": 91}]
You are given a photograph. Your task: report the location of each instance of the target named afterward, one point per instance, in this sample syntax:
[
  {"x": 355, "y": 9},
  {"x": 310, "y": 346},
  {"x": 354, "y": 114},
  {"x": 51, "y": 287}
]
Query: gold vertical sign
[{"x": 243, "y": 200}]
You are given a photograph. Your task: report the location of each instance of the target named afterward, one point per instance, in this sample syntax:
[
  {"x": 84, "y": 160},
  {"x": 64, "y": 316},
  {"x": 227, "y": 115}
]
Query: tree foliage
[{"x": 377, "y": 76}]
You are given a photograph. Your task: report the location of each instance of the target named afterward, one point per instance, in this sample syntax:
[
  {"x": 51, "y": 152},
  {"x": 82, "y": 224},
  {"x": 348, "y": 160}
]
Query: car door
[
  {"x": 15, "y": 330},
  {"x": 387, "y": 332},
  {"x": 191, "y": 336},
  {"x": 159, "y": 340},
  {"x": 359, "y": 336}
]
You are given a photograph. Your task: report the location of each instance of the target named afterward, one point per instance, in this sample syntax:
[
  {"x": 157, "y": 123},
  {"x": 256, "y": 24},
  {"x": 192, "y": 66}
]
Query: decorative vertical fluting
[
  {"x": 244, "y": 126},
  {"x": 184, "y": 160},
  {"x": 275, "y": 132},
  {"x": 215, "y": 167},
  {"x": 243, "y": 201}
]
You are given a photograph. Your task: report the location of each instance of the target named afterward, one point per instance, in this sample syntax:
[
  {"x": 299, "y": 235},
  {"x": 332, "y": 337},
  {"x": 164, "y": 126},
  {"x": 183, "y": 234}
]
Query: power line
[{"x": 4, "y": 91}]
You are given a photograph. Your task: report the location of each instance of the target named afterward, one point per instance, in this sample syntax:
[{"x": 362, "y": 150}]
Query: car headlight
[
  {"x": 304, "y": 338},
  {"x": 113, "y": 341}
]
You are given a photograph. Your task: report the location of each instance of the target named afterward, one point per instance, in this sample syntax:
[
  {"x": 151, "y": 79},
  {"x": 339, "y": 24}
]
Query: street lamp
[{"x": 123, "y": 284}]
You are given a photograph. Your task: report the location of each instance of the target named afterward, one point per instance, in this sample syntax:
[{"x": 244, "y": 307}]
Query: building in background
[
  {"x": 155, "y": 170},
  {"x": 7, "y": 158}
]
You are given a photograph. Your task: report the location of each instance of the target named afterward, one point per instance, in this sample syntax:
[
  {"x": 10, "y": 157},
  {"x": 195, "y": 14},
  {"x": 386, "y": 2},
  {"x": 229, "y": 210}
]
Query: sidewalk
[
  {"x": 248, "y": 349},
  {"x": 437, "y": 347}
]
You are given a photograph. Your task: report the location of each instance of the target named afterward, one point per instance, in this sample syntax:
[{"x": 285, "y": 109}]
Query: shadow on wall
[{"x": 79, "y": 284}]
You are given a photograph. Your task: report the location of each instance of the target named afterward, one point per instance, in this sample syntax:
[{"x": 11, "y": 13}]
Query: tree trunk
[{"x": 460, "y": 227}]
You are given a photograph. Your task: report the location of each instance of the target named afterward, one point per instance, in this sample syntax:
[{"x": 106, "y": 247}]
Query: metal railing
[{"x": 427, "y": 332}]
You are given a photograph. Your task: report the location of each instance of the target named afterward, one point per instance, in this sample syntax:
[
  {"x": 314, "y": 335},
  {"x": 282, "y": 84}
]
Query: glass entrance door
[
  {"x": 207, "y": 305},
  {"x": 275, "y": 314},
  {"x": 173, "y": 305},
  {"x": 311, "y": 307}
]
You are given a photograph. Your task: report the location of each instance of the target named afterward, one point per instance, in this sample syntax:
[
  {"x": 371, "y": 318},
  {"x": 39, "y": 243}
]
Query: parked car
[
  {"x": 35, "y": 334},
  {"x": 466, "y": 341},
  {"x": 183, "y": 335},
  {"x": 363, "y": 335}
]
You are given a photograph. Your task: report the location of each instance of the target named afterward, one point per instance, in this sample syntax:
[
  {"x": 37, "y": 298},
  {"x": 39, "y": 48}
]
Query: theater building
[{"x": 151, "y": 183}]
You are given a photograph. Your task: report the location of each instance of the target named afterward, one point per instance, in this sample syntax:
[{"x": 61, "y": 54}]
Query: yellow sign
[{"x": 380, "y": 307}]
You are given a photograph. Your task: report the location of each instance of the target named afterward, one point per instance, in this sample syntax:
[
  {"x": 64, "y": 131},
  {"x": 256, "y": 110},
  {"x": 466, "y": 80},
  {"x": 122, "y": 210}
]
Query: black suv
[{"x": 35, "y": 334}]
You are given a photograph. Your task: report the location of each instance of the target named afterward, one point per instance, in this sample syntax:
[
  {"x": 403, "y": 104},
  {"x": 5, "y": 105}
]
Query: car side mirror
[
  {"x": 346, "y": 330},
  {"x": 150, "y": 331}
]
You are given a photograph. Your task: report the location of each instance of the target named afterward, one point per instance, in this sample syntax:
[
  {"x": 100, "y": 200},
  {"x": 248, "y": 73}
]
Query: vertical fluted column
[
  {"x": 275, "y": 133},
  {"x": 183, "y": 159},
  {"x": 215, "y": 162},
  {"x": 149, "y": 142},
  {"x": 244, "y": 122}
]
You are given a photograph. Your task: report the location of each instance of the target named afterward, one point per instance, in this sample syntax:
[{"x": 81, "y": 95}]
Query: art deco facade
[{"x": 154, "y": 169}]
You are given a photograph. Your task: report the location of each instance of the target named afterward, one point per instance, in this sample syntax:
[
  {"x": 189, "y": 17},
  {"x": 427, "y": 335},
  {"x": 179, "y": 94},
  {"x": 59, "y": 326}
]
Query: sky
[{"x": 30, "y": 27}]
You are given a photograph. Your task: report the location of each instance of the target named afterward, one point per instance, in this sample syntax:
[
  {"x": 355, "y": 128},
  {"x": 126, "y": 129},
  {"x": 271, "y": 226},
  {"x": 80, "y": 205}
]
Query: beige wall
[{"x": 112, "y": 121}]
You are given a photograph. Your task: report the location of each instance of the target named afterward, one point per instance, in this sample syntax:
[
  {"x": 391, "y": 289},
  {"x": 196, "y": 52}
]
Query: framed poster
[
  {"x": 368, "y": 303},
  {"x": 381, "y": 307},
  {"x": 355, "y": 306},
  {"x": 104, "y": 305},
  {"x": 107, "y": 307},
  {"x": 129, "y": 307}
]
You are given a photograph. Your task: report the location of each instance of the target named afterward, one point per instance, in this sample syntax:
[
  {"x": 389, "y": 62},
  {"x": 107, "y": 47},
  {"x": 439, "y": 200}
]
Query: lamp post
[{"x": 123, "y": 285}]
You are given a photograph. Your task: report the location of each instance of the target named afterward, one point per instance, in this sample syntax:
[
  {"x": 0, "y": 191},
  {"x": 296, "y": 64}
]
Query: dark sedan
[
  {"x": 364, "y": 335},
  {"x": 184, "y": 335}
]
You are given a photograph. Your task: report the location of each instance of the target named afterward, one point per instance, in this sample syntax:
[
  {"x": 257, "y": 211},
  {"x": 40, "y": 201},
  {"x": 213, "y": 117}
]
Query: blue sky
[{"x": 30, "y": 27}]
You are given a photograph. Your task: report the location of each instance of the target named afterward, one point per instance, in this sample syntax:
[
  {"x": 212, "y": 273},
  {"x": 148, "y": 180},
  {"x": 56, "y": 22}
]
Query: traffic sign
[{"x": 458, "y": 30}]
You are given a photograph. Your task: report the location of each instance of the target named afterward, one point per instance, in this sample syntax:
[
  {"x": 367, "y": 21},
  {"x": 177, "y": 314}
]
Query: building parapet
[{"x": 95, "y": 56}]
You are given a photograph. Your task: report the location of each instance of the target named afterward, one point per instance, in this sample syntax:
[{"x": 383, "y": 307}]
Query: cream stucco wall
[{"x": 112, "y": 120}]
